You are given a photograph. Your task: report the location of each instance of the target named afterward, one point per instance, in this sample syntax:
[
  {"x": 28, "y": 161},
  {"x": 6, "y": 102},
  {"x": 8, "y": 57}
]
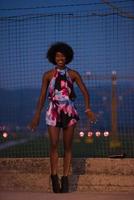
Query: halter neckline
[
  {"x": 61, "y": 71},
  {"x": 60, "y": 82}
]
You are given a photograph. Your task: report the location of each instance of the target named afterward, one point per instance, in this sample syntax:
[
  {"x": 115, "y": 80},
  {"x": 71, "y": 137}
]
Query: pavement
[{"x": 68, "y": 196}]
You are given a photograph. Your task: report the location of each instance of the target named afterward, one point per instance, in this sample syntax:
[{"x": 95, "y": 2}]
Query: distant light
[
  {"x": 98, "y": 133},
  {"x": 90, "y": 134},
  {"x": 88, "y": 73},
  {"x": 120, "y": 98},
  {"x": 104, "y": 98},
  {"x": 101, "y": 112},
  {"x": 106, "y": 133},
  {"x": 114, "y": 72},
  {"x": 5, "y": 134},
  {"x": 81, "y": 134}
]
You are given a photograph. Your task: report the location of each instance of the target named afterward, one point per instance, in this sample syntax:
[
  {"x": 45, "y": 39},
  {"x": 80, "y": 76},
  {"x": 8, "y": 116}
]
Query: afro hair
[{"x": 62, "y": 48}]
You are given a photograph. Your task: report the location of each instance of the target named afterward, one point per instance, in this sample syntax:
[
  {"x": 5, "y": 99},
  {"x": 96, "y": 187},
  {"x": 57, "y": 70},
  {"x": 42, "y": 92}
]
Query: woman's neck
[{"x": 61, "y": 68}]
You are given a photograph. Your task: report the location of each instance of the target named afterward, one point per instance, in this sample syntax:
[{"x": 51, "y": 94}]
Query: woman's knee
[
  {"x": 54, "y": 146},
  {"x": 67, "y": 148}
]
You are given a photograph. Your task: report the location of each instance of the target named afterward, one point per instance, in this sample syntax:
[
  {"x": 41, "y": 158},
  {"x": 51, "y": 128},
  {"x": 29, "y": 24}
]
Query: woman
[{"x": 61, "y": 113}]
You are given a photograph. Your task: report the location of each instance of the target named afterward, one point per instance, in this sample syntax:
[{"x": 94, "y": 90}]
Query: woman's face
[{"x": 60, "y": 59}]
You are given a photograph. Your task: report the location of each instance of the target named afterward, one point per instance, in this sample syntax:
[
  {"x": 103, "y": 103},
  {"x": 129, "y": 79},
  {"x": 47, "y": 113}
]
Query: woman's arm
[
  {"x": 81, "y": 85},
  {"x": 83, "y": 89},
  {"x": 35, "y": 121},
  {"x": 41, "y": 100}
]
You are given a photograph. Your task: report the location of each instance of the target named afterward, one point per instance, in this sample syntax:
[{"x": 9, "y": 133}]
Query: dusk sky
[{"x": 101, "y": 44}]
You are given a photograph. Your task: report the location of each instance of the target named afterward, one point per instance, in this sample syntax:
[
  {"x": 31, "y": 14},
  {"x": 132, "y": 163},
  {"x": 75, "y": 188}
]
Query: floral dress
[{"x": 61, "y": 111}]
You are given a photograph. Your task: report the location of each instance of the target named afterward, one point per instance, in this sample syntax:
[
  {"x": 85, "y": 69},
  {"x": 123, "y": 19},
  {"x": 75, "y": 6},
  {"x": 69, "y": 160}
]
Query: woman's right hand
[
  {"x": 35, "y": 122},
  {"x": 91, "y": 116}
]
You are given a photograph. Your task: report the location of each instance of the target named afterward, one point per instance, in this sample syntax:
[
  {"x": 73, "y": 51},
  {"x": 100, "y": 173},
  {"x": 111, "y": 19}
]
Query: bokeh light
[
  {"x": 98, "y": 133},
  {"x": 90, "y": 134},
  {"x": 106, "y": 133},
  {"x": 81, "y": 134},
  {"x": 5, "y": 134}
]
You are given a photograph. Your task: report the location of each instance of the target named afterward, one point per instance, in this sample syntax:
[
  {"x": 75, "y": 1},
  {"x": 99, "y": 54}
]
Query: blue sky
[
  {"x": 47, "y": 4},
  {"x": 101, "y": 44},
  {"x": 55, "y": 5}
]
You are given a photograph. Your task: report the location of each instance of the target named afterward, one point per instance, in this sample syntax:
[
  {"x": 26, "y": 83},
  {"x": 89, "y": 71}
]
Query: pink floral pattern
[{"x": 61, "y": 111}]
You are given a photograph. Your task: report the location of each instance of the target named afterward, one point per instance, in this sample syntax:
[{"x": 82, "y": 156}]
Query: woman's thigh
[{"x": 54, "y": 135}]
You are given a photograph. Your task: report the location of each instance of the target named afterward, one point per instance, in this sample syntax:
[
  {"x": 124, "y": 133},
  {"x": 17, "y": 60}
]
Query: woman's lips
[{"x": 61, "y": 62}]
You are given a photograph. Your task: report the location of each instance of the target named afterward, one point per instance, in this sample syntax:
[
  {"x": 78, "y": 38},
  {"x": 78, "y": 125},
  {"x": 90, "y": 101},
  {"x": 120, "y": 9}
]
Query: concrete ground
[{"x": 70, "y": 196}]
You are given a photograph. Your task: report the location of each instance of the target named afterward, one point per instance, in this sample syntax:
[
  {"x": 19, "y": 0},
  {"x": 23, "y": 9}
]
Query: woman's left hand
[{"x": 91, "y": 116}]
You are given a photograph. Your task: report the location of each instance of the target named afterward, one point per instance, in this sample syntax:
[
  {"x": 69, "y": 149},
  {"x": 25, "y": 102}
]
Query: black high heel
[
  {"x": 64, "y": 184},
  {"x": 55, "y": 183}
]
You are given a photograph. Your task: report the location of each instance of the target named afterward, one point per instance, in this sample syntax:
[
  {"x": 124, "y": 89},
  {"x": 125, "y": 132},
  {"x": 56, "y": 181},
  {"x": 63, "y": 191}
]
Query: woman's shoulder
[
  {"x": 73, "y": 73},
  {"x": 49, "y": 73}
]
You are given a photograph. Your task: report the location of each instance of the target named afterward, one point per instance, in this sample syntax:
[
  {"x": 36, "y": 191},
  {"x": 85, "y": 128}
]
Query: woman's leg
[
  {"x": 67, "y": 140},
  {"x": 68, "y": 134},
  {"x": 54, "y": 141}
]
